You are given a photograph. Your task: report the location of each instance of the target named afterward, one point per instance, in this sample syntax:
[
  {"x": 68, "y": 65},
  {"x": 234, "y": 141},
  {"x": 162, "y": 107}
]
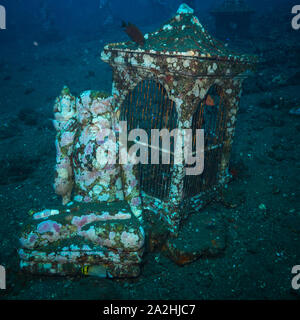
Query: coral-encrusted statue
[
  {"x": 100, "y": 231},
  {"x": 86, "y": 150}
]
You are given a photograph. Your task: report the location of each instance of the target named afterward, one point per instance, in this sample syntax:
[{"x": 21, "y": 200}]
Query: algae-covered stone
[{"x": 203, "y": 235}]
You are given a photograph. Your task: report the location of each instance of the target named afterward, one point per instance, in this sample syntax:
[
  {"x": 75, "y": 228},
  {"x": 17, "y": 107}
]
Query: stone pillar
[{"x": 231, "y": 99}]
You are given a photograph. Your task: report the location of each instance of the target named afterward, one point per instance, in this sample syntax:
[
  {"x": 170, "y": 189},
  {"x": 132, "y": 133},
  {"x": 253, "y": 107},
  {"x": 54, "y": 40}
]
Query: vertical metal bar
[
  {"x": 163, "y": 168},
  {"x": 222, "y": 130},
  {"x": 146, "y": 120},
  {"x": 149, "y": 107}
]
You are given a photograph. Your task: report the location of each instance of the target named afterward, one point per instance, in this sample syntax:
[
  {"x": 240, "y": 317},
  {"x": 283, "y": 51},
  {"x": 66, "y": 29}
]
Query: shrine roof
[{"x": 185, "y": 36}]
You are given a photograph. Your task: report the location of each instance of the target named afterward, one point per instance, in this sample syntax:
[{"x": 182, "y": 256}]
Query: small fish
[
  {"x": 95, "y": 271},
  {"x": 134, "y": 33},
  {"x": 210, "y": 101}
]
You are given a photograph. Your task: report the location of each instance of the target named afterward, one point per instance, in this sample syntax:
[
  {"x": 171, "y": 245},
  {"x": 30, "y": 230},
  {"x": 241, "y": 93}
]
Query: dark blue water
[{"x": 49, "y": 43}]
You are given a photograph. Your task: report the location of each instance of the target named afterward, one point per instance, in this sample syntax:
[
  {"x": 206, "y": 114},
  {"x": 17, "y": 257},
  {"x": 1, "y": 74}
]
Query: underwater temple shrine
[{"x": 179, "y": 78}]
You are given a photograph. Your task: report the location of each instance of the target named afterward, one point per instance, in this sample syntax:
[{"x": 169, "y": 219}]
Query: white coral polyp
[
  {"x": 66, "y": 109},
  {"x": 130, "y": 240},
  {"x": 184, "y": 9}
]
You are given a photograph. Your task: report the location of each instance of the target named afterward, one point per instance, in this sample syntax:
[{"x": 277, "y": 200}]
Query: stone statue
[{"x": 99, "y": 231}]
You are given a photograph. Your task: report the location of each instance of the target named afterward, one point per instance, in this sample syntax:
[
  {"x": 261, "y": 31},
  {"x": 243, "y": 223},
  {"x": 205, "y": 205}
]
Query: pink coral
[
  {"x": 85, "y": 98},
  {"x": 88, "y": 149},
  {"x": 67, "y": 138},
  {"x": 81, "y": 221},
  {"x": 29, "y": 241},
  {"x": 136, "y": 201},
  {"x": 130, "y": 240},
  {"x": 108, "y": 102},
  {"x": 133, "y": 183},
  {"x": 98, "y": 107},
  {"x": 63, "y": 188},
  {"x": 83, "y": 115},
  {"x": 85, "y": 136},
  {"x": 104, "y": 123},
  {"x": 87, "y": 199},
  {"x": 91, "y": 176},
  {"x": 48, "y": 226},
  {"x": 45, "y": 214},
  {"x": 89, "y": 234},
  {"x": 58, "y": 150}
]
